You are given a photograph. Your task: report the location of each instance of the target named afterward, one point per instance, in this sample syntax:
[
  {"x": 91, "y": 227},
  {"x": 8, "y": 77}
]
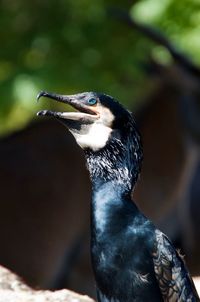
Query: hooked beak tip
[
  {"x": 42, "y": 112},
  {"x": 54, "y": 96},
  {"x": 40, "y": 94}
]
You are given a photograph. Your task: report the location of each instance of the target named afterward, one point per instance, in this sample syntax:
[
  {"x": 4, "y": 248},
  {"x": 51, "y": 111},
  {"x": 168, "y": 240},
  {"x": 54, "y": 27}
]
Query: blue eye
[{"x": 92, "y": 101}]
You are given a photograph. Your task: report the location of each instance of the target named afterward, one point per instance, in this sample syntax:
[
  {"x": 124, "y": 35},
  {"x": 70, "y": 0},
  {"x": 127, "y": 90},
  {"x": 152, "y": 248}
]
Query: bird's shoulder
[{"x": 171, "y": 273}]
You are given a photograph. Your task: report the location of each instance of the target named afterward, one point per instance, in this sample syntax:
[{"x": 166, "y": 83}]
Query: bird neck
[
  {"x": 113, "y": 172},
  {"x": 107, "y": 202},
  {"x": 117, "y": 164}
]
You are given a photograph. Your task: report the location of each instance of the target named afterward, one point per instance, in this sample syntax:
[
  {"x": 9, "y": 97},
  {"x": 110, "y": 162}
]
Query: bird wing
[{"x": 173, "y": 278}]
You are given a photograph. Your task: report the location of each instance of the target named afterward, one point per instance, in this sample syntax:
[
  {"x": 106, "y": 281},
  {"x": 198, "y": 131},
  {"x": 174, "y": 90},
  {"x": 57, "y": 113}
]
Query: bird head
[
  {"x": 104, "y": 129},
  {"x": 97, "y": 118}
]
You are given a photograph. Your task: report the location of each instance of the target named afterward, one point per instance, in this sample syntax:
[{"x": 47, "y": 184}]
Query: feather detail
[{"x": 172, "y": 275}]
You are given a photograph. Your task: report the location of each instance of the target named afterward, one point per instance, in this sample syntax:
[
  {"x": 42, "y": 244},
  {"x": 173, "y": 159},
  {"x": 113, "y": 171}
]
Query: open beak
[{"x": 84, "y": 112}]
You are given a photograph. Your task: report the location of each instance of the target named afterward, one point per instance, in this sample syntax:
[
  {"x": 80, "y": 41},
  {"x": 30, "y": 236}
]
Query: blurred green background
[{"x": 69, "y": 46}]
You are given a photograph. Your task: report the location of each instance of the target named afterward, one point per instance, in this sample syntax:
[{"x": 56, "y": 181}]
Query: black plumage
[{"x": 131, "y": 259}]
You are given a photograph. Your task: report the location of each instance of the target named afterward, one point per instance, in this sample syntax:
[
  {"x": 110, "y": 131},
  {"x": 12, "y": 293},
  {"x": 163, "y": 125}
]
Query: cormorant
[{"x": 132, "y": 260}]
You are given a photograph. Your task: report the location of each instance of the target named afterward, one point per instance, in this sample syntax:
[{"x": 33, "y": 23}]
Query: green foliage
[
  {"x": 69, "y": 46},
  {"x": 179, "y": 20}
]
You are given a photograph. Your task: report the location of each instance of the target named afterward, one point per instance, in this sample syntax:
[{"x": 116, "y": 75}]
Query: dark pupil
[{"x": 92, "y": 101}]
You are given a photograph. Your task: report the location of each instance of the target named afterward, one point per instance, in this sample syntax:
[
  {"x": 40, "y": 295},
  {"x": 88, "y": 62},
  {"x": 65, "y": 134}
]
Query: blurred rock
[
  {"x": 12, "y": 289},
  {"x": 197, "y": 283}
]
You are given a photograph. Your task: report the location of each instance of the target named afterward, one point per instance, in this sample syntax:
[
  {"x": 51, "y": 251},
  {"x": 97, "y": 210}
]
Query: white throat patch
[
  {"x": 98, "y": 133},
  {"x": 95, "y": 139}
]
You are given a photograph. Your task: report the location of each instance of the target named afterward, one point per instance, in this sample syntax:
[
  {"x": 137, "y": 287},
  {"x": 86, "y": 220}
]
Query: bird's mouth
[{"x": 83, "y": 112}]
